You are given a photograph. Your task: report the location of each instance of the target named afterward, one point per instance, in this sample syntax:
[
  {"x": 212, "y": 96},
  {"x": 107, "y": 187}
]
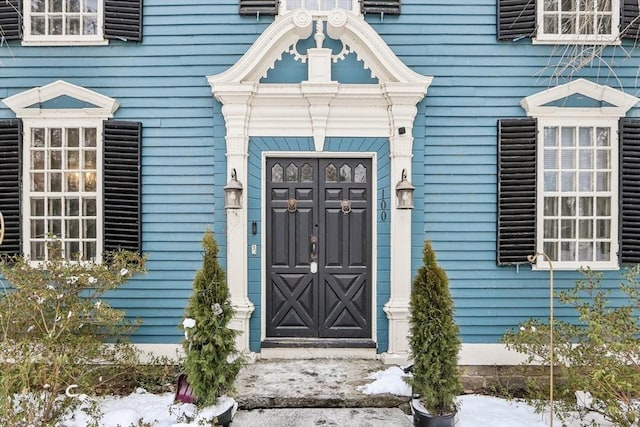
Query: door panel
[{"x": 318, "y": 212}]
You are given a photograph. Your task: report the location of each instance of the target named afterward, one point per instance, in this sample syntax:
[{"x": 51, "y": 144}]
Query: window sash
[
  {"x": 71, "y": 19},
  {"x": 319, "y": 7},
  {"x": 577, "y": 213},
  {"x": 578, "y": 21},
  {"x": 62, "y": 194}
]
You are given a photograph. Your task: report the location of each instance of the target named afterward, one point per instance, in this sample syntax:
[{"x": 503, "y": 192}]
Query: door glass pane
[
  {"x": 361, "y": 173},
  {"x": 331, "y": 173},
  {"x": 306, "y": 173},
  {"x": 277, "y": 173},
  {"x": 291, "y": 173},
  {"x": 345, "y": 173}
]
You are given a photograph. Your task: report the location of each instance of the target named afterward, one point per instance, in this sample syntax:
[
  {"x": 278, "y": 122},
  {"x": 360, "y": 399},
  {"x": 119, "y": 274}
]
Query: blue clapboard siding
[{"x": 477, "y": 80}]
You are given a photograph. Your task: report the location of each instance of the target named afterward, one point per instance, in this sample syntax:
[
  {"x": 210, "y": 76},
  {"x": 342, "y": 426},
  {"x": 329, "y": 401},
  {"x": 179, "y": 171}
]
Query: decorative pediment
[
  {"x": 40, "y": 100},
  {"x": 564, "y": 100},
  {"x": 319, "y": 106}
]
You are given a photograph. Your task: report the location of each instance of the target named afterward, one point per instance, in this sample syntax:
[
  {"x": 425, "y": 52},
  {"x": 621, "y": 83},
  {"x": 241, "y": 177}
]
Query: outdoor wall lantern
[
  {"x": 404, "y": 192},
  {"x": 233, "y": 193}
]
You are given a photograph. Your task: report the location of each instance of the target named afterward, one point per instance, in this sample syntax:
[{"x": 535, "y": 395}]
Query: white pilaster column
[
  {"x": 237, "y": 140},
  {"x": 397, "y": 308}
]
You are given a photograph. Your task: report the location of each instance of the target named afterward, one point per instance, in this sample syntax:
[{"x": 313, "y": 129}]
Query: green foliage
[
  {"x": 211, "y": 361},
  {"x": 434, "y": 337},
  {"x": 53, "y": 327},
  {"x": 600, "y": 354}
]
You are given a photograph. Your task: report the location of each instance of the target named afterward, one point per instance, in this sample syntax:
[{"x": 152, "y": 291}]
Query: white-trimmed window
[
  {"x": 63, "y": 198},
  {"x": 577, "y": 214},
  {"x": 78, "y": 179},
  {"x": 64, "y": 21},
  {"x": 567, "y": 180},
  {"x": 578, "y": 21}
]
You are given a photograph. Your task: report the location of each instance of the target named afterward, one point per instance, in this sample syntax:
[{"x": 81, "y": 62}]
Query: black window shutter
[
  {"x": 258, "y": 7},
  {"x": 516, "y": 190},
  {"x": 10, "y": 179},
  {"x": 629, "y": 19},
  {"x": 516, "y": 19},
  {"x": 10, "y": 20},
  {"x": 123, "y": 19},
  {"x": 121, "y": 185},
  {"x": 387, "y": 7},
  {"x": 630, "y": 190}
]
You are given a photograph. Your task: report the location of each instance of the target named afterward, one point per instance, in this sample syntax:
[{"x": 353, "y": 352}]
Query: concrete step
[
  {"x": 311, "y": 383},
  {"x": 324, "y": 417}
]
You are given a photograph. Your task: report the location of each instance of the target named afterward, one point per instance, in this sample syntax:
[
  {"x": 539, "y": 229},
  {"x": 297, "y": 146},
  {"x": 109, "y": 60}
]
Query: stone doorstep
[{"x": 332, "y": 383}]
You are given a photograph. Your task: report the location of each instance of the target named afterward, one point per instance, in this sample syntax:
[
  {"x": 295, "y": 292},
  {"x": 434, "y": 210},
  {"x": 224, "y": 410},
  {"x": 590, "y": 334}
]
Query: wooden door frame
[{"x": 263, "y": 221}]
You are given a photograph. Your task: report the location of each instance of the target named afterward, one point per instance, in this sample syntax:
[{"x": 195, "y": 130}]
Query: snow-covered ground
[{"x": 159, "y": 410}]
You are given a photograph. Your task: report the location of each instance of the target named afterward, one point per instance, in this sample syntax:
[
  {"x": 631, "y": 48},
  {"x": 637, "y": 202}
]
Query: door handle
[{"x": 313, "y": 265}]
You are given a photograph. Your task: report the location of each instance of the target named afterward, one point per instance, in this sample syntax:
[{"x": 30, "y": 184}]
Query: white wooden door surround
[{"x": 320, "y": 107}]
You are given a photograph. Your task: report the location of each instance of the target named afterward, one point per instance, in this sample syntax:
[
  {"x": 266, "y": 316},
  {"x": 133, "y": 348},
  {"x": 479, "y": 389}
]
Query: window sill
[
  {"x": 100, "y": 42},
  {"x": 575, "y": 266},
  {"x": 577, "y": 40}
]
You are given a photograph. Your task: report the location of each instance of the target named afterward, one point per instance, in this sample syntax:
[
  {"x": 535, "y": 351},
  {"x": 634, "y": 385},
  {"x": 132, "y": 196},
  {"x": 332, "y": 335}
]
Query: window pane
[
  {"x": 604, "y": 5},
  {"x": 603, "y": 251},
  {"x": 37, "y": 182},
  {"x": 91, "y": 6},
  {"x": 89, "y": 251},
  {"x": 55, "y": 137},
  {"x": 73, "y": 137},
  {"x": 89, "y": 228},
  {"x": 568, "y": 5},
  {"x": 550, "y": 159},
  {"x": 568, "y": 139},
  {"x": 56, "y": 159},
  {"x": 585, "y": 25},
  {"x": 568, "y": 181},
  {"x": 37, "y": 159},
  {"x": 550, "y": 181},
  {"x": 89, "y": 181},
  {"x": 73, "y": 5},
  {"x": 73, "y": 207},
  {"x": 568, "y": 159},
  {"x": 551, "y": 137},
  {"x": 602, "y": 137},
  {"x": 89, "y": 207},
  {"x": 603, "y": 181},
  {"x": 89, "y": 159},
  {"x": 603, "y": 229},
  {"x": 585, "y": 137},
  {"x": 550, "y": 229},
  {"x": 55, "y": 6},
  {"x": 603, "y": 159},
  {"x": 73, "y": 159},
  {"x": 37, "y": 229},
  {"x": 550, "y": 5},
  {"x": 567, "y": 251},
  {"x": 307, "y": 173},
  {"x": 55, "y": 228},
  {"x": 586, "y": 206},
  {"x": 331, "y": 173},
  {"x": 72, "y": 250},
  {"x": 37, "y": 137},
  {"x": 72, "y": 229},
  {"x": 603, "y": 206},
  {"x": 551, "y": 249},
  {"x": 568, "y": 206},
  {"x": 550, "y": 206},
  {"x": 604, "y": 24},
  {"x": 55, "y": 182},
  {"x": 37, "y": 251},
  {"x": 586, "y": 229},
  {"x": 568, "y": 229},
  {"x": 55, "y": 207},
  {"x": 37, "y": 5},
  {"x": 90, "y": 137},
  {"x": 585, "y": 252},
  {"x": 38, "y": 25},
  {"x": 586, "y": 181},
  {"x": 90, "y": 26},
  {"x": 37, "y": 207},
  {"x": 55, "y": 26},
  {"x": 73, "y": 181},
  {"x": 586, "y": 159}
]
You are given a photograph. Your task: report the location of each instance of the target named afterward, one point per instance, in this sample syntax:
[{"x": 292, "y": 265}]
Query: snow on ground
[{"x": 161, "y": 411}]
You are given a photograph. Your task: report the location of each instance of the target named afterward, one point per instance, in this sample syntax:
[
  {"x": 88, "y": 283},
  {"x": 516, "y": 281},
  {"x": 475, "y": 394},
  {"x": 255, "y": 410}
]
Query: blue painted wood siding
[{"x": 477, "y": 80}]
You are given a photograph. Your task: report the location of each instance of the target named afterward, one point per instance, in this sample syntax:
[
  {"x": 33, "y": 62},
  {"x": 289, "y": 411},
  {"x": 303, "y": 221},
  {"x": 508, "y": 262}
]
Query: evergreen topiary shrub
[
  {"x": 211, "y": 362},
  {"x": 434, "y": 338}
]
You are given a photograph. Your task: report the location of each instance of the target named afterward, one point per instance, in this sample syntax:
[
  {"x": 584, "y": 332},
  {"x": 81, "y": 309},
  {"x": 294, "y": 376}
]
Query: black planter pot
[
  {"x": 185, "y": 394},
  {"x": 224, "y": 419},
  {"x": 425, "y": 419}
]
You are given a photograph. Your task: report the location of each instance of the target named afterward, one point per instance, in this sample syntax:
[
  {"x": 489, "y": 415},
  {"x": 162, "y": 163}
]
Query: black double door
[{"x": 318, "y": 248}]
